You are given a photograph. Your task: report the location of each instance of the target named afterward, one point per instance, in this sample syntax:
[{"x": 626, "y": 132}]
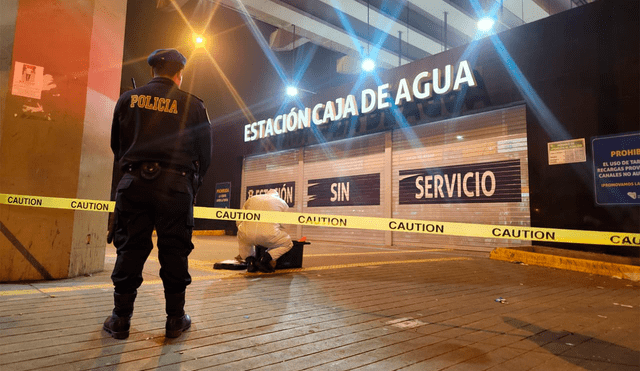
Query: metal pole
[
  {"x": 368, "y": 31},
  {"x": 293, "y": 55},
  {"x": 399, "y": 48},
  {"x": 445, "y": 32}
]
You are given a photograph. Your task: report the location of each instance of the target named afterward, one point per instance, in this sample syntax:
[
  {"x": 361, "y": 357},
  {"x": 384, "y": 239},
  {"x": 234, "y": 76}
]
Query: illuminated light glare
[
  {"x": 485, "y": 24},
  {"x": 459, "y": 137},
  {"x": 292, "y": 91},
  {"x": 368, "y": 65},
  {"x": 234, "y": 93},
  {"x": 198, "y": 40},
  {"x": 264, "y": 45}
]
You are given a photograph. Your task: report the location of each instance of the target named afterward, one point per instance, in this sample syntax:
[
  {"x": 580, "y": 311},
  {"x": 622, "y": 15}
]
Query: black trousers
[{"x": 166, "y": 204}]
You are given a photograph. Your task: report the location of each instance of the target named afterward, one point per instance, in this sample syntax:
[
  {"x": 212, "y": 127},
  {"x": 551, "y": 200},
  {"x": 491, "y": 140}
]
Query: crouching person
[{"x": 270, "y": 235}]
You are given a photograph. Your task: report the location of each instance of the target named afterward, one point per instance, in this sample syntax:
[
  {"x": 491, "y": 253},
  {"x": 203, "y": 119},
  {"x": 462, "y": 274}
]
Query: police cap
[{"x": 169, "y": 55}]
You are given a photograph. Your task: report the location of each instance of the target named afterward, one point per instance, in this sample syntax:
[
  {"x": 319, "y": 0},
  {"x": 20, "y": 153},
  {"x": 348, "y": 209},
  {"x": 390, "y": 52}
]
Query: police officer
[{"x": 161, "y": 138}]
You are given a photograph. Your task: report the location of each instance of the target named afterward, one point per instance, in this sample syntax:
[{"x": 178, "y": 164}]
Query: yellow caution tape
[
  {"x": 358, "y": 222},
  {"x": 57, "y": 203}
]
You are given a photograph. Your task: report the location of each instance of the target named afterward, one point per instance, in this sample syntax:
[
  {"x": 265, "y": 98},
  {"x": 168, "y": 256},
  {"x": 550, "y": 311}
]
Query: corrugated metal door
[
  {"x": 470, "y": 169},
  {"x": 358, "y": 161}
]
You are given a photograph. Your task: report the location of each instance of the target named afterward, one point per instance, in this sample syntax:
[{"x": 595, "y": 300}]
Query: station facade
[{"x": 515, "y": 129}]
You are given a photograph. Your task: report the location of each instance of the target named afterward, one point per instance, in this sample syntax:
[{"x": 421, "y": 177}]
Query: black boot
[
  {"x": 120, "y": 320},
  {"x": 266, "y": 264},
  {"x": 177, "y": 320},
  {"x": 251, "y": 264}
]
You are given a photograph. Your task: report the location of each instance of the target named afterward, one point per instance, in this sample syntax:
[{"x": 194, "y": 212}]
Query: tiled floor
[{"x": 350, "y": 307}]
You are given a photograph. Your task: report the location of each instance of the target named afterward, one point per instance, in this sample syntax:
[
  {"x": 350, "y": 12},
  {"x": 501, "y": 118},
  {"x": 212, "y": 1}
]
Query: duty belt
[{"x": 151, "y": 170}]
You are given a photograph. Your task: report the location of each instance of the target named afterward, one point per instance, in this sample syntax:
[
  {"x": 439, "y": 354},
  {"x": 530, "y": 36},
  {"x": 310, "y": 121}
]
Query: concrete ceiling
[{"x": 404, "y": 31}]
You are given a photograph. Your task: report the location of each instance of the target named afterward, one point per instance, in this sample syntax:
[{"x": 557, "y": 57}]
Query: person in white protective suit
[{"x": 270, "y": 235}]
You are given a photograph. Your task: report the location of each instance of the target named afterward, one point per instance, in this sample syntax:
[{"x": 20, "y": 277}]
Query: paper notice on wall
[
  {"x": 567, "y": 152},
  {"x": 27, "y": 80}
]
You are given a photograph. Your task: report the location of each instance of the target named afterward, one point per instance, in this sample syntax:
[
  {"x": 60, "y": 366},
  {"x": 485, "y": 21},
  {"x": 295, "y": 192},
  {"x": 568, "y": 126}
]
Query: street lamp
[{"x": 198, "y": 40}]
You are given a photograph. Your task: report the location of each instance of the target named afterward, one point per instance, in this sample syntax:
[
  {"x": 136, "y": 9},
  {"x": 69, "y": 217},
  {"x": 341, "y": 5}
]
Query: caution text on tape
[{"x": 358, "y": 222}]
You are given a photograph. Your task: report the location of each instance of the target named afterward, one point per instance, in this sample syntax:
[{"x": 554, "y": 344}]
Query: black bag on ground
[{"x": 291, "y": 259}]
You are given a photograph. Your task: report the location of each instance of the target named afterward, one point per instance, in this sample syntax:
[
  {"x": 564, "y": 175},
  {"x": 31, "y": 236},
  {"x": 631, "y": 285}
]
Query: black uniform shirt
[{"x": 158, "y": 122}]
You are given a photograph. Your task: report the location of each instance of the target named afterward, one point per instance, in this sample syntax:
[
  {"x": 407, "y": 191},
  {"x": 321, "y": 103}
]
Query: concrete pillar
[{"x": 55, "y": 131}]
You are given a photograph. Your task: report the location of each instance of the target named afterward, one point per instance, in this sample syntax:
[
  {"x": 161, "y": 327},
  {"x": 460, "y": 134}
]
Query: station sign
[{"x": 425, "y": 85}]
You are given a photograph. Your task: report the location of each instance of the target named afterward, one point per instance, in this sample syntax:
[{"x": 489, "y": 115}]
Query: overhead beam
[
  {"x": 319, "y": 32},
  {"x": 331, "y": 35},
  {"x": 527, "y": 10},
  {"x": 455, "y": 17},
  {"x": 384, "y": 23}
]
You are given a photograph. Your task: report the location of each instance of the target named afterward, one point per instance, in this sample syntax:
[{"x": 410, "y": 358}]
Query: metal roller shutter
[
  {"x": 358, "y": 158},
  {"x": 450, "y": 149}
]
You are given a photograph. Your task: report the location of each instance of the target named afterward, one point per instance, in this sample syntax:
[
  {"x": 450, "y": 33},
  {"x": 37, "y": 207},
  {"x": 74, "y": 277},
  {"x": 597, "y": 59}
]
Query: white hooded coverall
[{"x": 270, "y": 235}]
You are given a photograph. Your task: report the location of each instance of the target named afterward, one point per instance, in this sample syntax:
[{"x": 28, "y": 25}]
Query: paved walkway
[{"x": 350, "y": 307}]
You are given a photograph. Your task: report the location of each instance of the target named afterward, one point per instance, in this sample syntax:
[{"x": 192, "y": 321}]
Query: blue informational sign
[
  {"x": 223, "y": 194},
  {"x": 616, "y": 164}
]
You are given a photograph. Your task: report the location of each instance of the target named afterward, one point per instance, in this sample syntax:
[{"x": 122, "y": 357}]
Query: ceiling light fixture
[
  {"x": 292, "y": 91},
  {"x": 368, "y": 65},
  {"x": 485, "y": 24}
]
